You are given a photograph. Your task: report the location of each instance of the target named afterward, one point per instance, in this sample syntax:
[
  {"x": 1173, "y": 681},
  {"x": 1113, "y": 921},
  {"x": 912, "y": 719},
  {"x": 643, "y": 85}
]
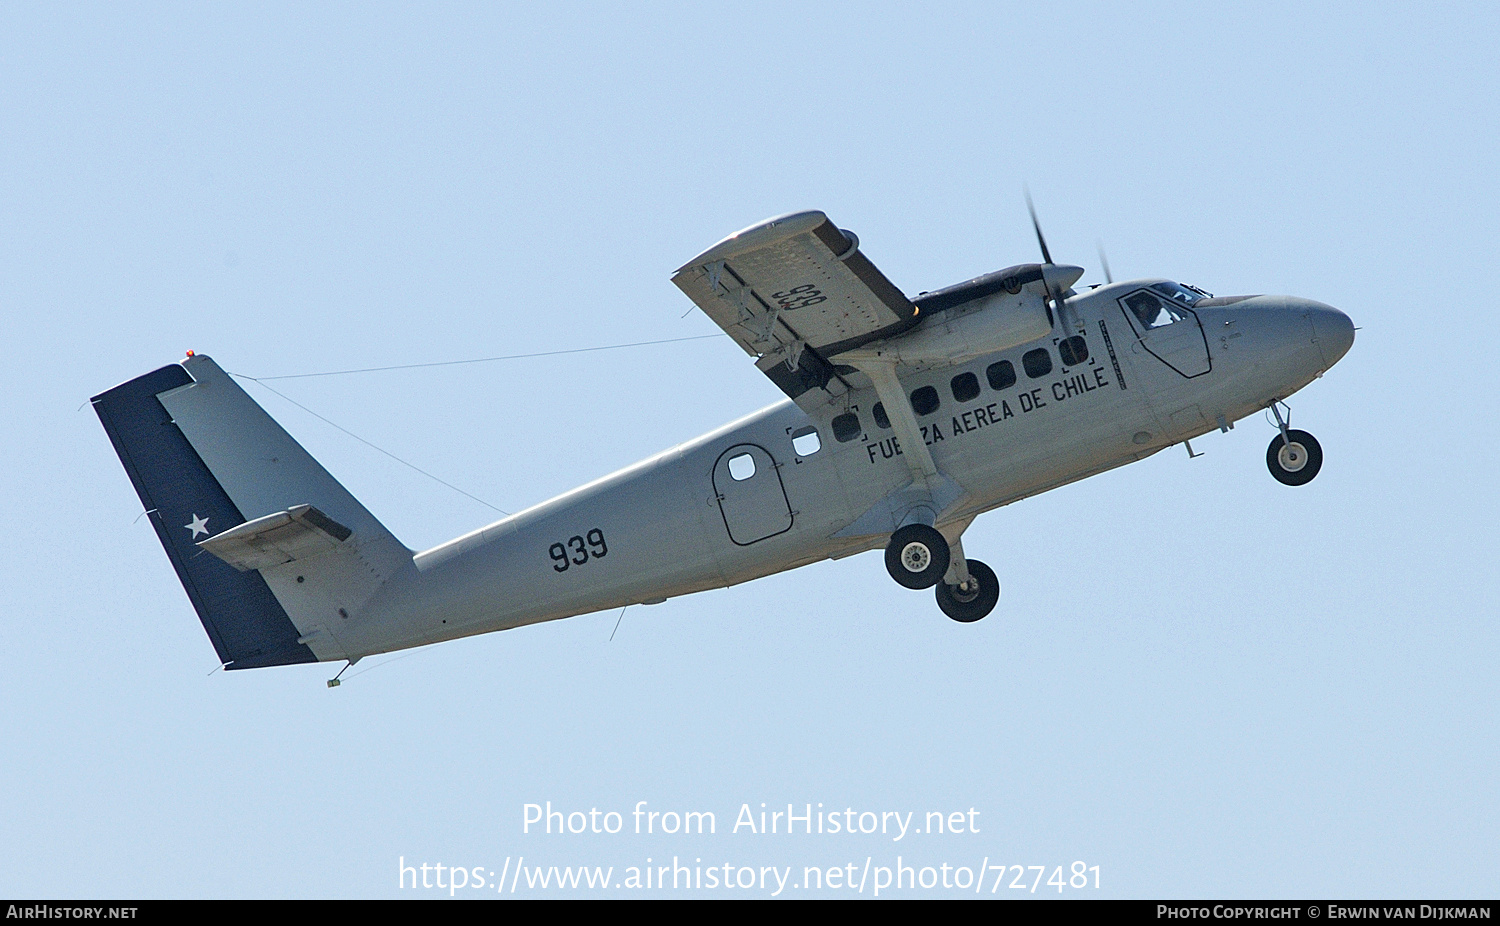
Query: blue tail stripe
[{"x": 245, "y": 622}]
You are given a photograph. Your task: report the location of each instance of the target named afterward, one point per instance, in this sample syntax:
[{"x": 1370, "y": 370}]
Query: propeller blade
[
  {"x": 1046, "y": 257},
  {"x": 1104, "y": 261}
]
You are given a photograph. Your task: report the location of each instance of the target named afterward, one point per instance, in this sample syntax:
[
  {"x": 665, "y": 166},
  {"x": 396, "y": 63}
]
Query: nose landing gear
[{"x": 1294, "y": 457}]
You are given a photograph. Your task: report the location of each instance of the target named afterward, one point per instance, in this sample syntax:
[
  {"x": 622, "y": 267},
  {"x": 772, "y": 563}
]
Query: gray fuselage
[{"x": 682, "y": 521}]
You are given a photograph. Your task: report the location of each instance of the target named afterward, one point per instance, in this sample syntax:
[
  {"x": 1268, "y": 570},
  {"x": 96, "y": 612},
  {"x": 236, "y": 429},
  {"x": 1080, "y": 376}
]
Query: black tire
[
  {"x": 917, "y": 556},
  {"x": 970, "y": 608},
  {"x": 1294, "y": 464}
]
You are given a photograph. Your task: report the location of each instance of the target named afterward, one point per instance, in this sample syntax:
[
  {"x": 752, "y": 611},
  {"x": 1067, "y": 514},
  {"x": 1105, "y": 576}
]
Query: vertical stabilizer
[{"x": 205, "y": 460}]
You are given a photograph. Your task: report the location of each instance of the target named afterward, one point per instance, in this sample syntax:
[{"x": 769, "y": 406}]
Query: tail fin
[{"x": 205, "y": 460}]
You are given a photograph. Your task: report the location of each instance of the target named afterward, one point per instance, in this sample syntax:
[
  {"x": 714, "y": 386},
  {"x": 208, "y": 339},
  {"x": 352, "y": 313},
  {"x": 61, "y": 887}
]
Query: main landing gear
[
  {"x": 970, "y": 601},
  {"x": 1293, "y": 457},
  {"x": 918, "y": 556}
]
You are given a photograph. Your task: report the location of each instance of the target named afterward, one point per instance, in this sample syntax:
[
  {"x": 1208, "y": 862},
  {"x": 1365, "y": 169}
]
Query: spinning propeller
[{"x": 1049, "y": 275}]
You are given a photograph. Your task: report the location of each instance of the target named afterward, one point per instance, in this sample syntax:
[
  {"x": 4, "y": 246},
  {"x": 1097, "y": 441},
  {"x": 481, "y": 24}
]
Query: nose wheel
[
  {"x": 973, "y": 599},
  {"x": 1294, "y": 458}
]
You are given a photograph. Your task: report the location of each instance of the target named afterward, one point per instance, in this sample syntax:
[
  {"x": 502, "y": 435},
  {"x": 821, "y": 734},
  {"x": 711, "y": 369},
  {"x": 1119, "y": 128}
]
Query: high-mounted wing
[{"x": 793, "y": 291}]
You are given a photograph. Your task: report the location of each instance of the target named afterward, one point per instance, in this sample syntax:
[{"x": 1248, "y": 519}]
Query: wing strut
[
  {"x": 882, "y": 372},
  {"x": 931, "y": 491}
]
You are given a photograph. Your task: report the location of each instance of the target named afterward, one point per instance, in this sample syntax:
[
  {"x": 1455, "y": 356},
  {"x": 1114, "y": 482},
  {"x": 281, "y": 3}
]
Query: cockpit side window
[{"x": 1152, "y": 311}]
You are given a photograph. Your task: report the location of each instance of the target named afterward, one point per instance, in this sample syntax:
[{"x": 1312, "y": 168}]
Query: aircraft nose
[{"x": 1333, "y": 331}]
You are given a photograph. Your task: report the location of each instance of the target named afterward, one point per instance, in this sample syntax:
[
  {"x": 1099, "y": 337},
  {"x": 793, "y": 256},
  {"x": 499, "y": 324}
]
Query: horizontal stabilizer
[{"x": 299, "y": 533}]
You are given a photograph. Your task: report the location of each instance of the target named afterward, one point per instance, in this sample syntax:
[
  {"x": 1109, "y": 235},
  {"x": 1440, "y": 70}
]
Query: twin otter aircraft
[{"x": 906, "y": 418}]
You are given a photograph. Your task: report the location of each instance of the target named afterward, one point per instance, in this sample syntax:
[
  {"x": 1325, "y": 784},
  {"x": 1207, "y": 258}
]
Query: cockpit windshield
[{"x": 1179, "y": 292}]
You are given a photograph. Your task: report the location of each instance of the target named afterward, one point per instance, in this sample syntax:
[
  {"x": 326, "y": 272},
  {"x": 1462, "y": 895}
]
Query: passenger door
[{"x": 751, "y": 496}]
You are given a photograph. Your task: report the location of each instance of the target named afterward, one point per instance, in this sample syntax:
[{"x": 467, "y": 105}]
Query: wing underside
[{"x": 792, "y": 292}]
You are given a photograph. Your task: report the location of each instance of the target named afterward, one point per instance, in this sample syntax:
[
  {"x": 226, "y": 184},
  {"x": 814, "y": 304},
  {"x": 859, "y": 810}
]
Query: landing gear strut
[
  {"x": 1294, "y": 457},
  {"x": 917, "y": 556},
  {"x": 973, "y": 599}
]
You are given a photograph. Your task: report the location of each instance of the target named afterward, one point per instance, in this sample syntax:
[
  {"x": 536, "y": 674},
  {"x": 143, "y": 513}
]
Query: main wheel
[
  {"x": 1294, "y": 461},
  {"x": 917, "y": 556},
  {"x": 972, "y": 604}
]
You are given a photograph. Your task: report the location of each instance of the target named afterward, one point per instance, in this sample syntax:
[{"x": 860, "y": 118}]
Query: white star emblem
[{"x": 198, "y": 526}]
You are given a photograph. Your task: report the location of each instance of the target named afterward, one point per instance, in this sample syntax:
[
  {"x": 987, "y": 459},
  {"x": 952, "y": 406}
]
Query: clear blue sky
[{"x": 1204, "y": 682}]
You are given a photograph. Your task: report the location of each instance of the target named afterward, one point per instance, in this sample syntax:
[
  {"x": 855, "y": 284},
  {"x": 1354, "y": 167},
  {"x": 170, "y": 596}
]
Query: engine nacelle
[{"x": 983, "y": 326}]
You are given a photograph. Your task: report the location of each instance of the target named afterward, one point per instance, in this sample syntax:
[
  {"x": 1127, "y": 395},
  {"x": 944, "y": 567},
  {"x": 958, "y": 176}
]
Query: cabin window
[
  {"x": 925, "y": 401},
  {"x": 846, "y": 427},
  {"x": 1073, "y": 351},
  {"x": 1002, "y": 375},
  {"x": 805, "y": 441},
  {"x": 880, "y": 417},
  {"x": 741, "y": 467},
  {"x": 1037, "y": 362},
  {"x": 965, "y": 387}
]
